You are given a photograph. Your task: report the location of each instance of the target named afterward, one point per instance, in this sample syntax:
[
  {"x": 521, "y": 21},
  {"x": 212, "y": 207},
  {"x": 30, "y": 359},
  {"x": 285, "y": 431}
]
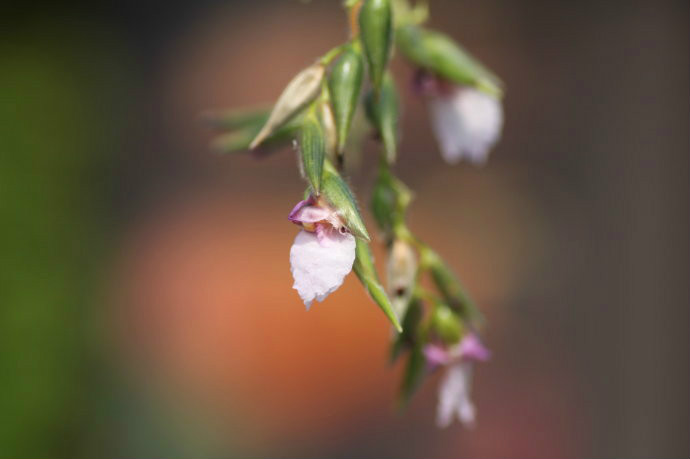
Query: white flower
[
  {"x": 323, "y": 251},
  {"x": 454, "y": 392},
  {"x": 454, "y": 396},
  {"x": 467, "y": 123}
]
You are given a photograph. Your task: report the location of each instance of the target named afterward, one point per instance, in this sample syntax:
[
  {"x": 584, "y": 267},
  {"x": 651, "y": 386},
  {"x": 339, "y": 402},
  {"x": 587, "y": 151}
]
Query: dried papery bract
[{"x": 297, "y": 94}]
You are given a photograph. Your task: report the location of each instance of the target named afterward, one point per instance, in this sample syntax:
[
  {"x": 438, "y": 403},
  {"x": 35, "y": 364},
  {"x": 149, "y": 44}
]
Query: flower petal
[
  {"x": 454, "y": 396},
  {"x": 467, "y": 124},
  {"x": 436, "y": 355},
  {"x": 471, "y": 348},
  {"x": 306, "y": 212},
  {"x": 319, "y": 268}
]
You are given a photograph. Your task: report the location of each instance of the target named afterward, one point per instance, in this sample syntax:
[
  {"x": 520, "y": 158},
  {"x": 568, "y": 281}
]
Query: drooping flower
[
  {"x": 454, "y": 391},
  {"x": 323, "y": 251},
  {"x": 467, "y": 122}
]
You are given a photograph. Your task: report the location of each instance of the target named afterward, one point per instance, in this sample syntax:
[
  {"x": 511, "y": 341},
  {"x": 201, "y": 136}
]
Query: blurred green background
[{"x": 145, "y": 290}]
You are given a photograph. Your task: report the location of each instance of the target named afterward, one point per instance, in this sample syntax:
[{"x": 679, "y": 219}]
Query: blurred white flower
[{"x": 467, "y": 124}]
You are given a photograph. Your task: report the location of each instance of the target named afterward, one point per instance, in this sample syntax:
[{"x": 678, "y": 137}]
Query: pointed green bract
[
  {"x": 238, "y": 141},
  {"x": 414, "y": 373},
  {"x": 236, "y": 119},
  {"x": 344, "y": 84},
  {"x": 450, "y": 287},
  {"x": 441, "y": 55},
  {"x": 312, "y": 147},
  {"x": 301, "y": 90},
  {"x": 410, "y": 323},
  {"x": 366, "y": 272},
  {"x": 339, "y": 196},
  {"x": 376, "y": 32},
  {"x": 384, "y": 112}
]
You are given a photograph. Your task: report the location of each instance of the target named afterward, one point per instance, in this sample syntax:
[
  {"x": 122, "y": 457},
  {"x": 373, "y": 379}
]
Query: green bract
[
  {"x": 376, "y": 32},
  {"x": 339, "y": 196},
  {"x": 450, "y": 287},
  {"x": 365, "y": 270},
  {"x": 438, "y": 53},
  {"x": 312, "y": 151},
  {"x": 344, "y": 84}
]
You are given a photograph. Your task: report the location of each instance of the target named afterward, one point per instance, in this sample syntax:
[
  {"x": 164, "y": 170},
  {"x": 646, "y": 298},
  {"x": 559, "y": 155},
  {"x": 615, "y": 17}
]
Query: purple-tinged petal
[
  {"x": 471, "y": 348},
  {"x": 307, "y": 212},
  {"x": 436, "y": 355}
]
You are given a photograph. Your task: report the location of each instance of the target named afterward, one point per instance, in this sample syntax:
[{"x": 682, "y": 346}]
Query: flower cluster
[{"x": 434, "y": 328}]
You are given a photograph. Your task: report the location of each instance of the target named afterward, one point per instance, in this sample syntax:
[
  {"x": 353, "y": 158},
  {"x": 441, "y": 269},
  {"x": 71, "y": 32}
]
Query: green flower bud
[
  {"x": 438, "y": 53},
  {"x": 376, "y": 32},
  {"x": 312, "y": 151},
  {"x": 446, "y": 324},
  {"x": 389, "y": 201},
  {"x": 366, "y": 272},
  {"x": 344, "y": 84},
  {"x": 329, "y": 130},
  {"x": 383, "y": 112},
  {"x": 297, "y": 94}
]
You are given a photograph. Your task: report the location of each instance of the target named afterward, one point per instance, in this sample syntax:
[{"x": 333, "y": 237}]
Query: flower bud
[
  {"x": 446, "y": 324},
  {"x": 383, "y": 112},
  {"x": 389, "y": 200},
  {"x": 438, "y": 53},
  {"x": 401, "y": 272},
  {"x": 312, "y": 151},
  {"x": 376, "y": 31},
  {"x": 344, "y": 84},
  {"x": 329, "y": 130},
  {"x": 303, "y": 88}
]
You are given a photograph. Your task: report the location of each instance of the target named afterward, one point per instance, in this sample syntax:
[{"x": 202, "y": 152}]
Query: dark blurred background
[{"x": 146, "y": 302}]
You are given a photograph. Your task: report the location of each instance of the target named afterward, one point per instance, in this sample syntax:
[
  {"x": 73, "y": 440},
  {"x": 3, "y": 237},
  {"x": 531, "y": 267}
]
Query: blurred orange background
[{"x": 148, "y": 309}]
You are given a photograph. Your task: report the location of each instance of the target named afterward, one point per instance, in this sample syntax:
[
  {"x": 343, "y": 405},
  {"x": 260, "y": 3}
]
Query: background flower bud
[
  {"x": 344, "y": 83},
  {"x": 441, "y": 55},
  {"x": 303, "y": 88},
  {"x": 446, "y": 324},
  {"x": 401, "y": 272},
  {"x": 376, "y": 32},
  {"x": 383, "y": 111}
]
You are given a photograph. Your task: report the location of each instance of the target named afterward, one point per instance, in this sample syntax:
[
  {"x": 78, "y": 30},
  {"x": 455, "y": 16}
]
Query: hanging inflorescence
[{"x": 435, "y": 328}]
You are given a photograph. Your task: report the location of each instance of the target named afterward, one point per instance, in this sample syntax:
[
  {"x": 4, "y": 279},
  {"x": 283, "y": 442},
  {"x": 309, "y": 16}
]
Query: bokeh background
[{"x": 146, "y": 307}]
